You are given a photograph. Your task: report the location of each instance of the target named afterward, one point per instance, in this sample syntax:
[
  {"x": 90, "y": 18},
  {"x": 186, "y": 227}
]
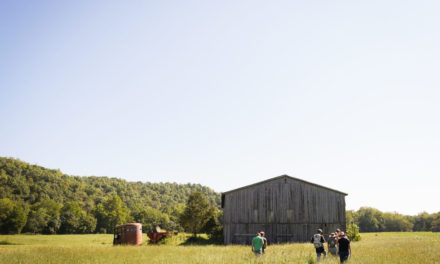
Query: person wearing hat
[
  {"x": 318, "y": 241},
  {"x": 344, "y": 247}
]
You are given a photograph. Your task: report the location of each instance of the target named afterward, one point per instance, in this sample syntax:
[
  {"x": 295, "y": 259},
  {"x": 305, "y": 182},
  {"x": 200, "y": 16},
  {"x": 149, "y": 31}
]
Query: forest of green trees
[
  {"x": 34, "y": 199},
  {"x": 372, "y": 220}
]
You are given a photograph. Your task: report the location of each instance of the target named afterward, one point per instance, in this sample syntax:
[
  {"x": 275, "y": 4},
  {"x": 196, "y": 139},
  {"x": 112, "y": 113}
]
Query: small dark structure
[
  {"x": 286, "y": 208},
  {"x": 159, "y": 235},
  {"x": 130, "y": 233}
]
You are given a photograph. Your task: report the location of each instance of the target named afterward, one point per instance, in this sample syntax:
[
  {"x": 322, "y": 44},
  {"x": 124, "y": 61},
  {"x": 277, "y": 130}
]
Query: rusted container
[
  {"x": 156, "y": 237},
  {"x": 130, "y": 233},
  {"x": 159, "y": 234}
]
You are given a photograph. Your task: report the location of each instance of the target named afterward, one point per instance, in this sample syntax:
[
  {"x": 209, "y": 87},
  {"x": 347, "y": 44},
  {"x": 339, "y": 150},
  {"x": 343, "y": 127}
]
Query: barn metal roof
[{"x": 280, "y": 177}]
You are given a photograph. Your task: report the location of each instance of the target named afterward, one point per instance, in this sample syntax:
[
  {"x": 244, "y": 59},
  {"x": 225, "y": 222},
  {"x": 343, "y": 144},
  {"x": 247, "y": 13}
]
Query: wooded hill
[{"x": 53, "y": 202}]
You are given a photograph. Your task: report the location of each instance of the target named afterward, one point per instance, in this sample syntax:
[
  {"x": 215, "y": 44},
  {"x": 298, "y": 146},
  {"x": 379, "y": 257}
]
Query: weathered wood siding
[{"x": 286, "y": 209}]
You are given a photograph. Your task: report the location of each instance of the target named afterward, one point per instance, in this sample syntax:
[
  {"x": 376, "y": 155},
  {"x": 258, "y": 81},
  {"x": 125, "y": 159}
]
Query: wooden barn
[{"x": 287, "y": 209}]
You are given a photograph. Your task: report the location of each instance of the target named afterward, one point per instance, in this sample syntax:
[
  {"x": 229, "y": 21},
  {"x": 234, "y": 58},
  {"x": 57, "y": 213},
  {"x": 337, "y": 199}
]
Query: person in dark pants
[
  {"x": 264, "y": 240},
  {"x": 344, "y": 247},
  {"x": 318, "y": 241}
]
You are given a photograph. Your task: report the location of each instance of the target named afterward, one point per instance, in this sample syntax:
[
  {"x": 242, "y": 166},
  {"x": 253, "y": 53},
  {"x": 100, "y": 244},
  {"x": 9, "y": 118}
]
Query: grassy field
[{"x": 374, "y": 248}]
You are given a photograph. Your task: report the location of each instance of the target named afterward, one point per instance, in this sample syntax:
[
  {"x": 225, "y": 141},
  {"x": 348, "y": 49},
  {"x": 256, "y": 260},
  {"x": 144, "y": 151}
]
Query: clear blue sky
[{"x": 227, "y": 93}]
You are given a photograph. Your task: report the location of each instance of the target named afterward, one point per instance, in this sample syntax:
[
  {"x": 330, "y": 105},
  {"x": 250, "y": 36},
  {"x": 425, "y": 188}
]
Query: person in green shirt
[{"x": 257, "y": 245}]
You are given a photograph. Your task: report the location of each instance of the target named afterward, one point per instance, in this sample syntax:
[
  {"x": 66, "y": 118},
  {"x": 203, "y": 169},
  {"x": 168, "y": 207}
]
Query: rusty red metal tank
[
  {"x": 130, "y": 233},
  {"x": 159, "y": 234}
]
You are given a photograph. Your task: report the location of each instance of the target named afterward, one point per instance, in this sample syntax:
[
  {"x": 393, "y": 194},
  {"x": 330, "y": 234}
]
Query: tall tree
[
  {"x": 423, "y": 222},
  {"x": 150, "y": 218},
  {"x": 370, "y": 220},
  {"x": 395, "y": 222},
  {"x": 196, "y": 214},
  {"x": 111, "y": 213},
  {"x": 44, "y": 217},
  {"x": 12, "y": 217},
  {"x": 76, "y": 221}
]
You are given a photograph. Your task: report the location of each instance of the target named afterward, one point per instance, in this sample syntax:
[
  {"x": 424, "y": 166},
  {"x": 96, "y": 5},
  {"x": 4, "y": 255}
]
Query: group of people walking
[{"x": 337, "y": 244}]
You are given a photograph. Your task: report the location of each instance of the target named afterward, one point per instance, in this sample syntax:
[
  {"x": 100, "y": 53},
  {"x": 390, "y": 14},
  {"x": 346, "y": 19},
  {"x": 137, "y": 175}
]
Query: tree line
[
  {"x": 34, "y": 199},
  {"x": 373, "y": 220}
]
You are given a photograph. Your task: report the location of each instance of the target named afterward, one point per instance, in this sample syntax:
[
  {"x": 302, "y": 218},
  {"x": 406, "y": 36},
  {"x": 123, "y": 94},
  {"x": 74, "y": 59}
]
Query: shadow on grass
[
  {"x": 200, "y": 241},
  {"x": 5, "y": 242},
  {"x": 184, "y": 239}
]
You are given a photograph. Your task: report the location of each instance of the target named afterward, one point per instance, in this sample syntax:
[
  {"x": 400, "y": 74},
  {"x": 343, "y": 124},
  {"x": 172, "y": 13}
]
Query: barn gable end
[{"x": 286, "y": 208}]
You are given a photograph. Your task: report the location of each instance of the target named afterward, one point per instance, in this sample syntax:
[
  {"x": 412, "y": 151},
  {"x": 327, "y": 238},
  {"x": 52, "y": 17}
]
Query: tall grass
[{"x": 373, "y": 248}]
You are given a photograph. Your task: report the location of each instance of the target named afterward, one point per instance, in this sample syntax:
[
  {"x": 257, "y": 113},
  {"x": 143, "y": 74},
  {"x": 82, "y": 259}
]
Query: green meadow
[{"x": 374, "y": 248}]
